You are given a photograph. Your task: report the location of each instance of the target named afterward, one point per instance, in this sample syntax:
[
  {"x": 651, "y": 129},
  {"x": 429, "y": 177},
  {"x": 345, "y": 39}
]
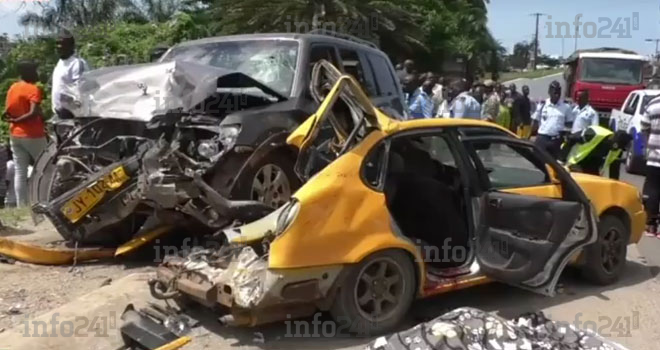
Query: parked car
[
  {"x": 629, "y": 118},
  {"x": 154, "y": 143},
  {"x": 397, "y": 210}
]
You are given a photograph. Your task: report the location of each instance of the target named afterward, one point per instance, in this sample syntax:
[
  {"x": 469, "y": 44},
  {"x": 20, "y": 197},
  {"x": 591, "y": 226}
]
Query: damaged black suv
[{"x": 197, "y": 138}]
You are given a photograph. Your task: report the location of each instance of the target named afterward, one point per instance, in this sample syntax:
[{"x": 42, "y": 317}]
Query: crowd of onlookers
[
  {"x": 428, "y": 95},
  {"x": 23, "y": 112}
]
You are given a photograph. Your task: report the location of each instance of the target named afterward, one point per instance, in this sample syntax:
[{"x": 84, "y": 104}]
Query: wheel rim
[
  {"x": 612, "y": 250},
  {"x": 271, "y": 186},
  {"x": 629, "y": 159},
  {"x": 379, "y": 289}
]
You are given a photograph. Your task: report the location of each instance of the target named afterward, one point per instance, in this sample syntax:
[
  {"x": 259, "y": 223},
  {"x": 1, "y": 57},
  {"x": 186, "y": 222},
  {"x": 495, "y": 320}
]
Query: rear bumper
[{"x": 248, "y": 292}]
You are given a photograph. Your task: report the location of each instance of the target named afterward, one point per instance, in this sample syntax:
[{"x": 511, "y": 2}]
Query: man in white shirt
[
  {"x": 66, "y": 74},
  {"x": 585, "y": 116},
  {"x": 551, "y": 120},
  {"x": 464, "y": 106}
]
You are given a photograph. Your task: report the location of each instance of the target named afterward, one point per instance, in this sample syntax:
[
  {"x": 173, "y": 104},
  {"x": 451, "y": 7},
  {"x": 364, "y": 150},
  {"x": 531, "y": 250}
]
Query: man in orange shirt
[{"x": 27, "y": 134}]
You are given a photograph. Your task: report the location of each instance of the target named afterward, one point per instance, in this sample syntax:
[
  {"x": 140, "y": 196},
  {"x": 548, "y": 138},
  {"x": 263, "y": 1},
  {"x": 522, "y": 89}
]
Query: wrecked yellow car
[{"x": 397, "y": 210}]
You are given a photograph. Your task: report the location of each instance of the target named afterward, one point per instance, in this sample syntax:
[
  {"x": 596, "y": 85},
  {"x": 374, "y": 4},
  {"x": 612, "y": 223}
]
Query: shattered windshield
[
  {"x": 611, "y": 71},
  {"x": 271, "y": 62}
]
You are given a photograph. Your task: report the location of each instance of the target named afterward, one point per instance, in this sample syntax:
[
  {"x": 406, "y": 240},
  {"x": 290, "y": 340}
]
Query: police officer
[
  {"x": 596, "y": 150},
  {"x": 551, "y": 119}
]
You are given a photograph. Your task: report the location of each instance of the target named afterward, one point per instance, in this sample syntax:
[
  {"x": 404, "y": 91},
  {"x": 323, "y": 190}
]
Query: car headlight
[
  {"x": 228, "y": 135},
  {"x": 208, "y": 149},
  {"x": 287, "y": 216}
]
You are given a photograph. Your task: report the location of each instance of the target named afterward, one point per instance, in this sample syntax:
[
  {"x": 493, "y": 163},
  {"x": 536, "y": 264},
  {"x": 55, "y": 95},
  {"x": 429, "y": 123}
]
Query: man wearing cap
[
  {"x": 551, "y": 119},
  {"x": 66, "y": 74}
]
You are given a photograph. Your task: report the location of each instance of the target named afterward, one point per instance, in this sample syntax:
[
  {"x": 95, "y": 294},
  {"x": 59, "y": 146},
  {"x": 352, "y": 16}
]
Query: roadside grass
[
  {"x": 12, "y": 217},
  {"x": 508, "y": 76}
]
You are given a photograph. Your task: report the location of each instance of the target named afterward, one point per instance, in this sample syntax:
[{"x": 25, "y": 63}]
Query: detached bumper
[{"x": 247, "y": 291}]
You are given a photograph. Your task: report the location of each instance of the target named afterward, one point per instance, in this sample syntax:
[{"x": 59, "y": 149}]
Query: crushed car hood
[{"x": 140, "y": 92}]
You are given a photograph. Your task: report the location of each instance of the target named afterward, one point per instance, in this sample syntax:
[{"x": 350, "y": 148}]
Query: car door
[
  {"x": 345, "y": 111},
  {"x": 526, "y": 233}
]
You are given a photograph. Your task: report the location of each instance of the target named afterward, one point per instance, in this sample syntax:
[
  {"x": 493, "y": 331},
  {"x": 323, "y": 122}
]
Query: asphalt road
[{"x": 538, "y": 88}]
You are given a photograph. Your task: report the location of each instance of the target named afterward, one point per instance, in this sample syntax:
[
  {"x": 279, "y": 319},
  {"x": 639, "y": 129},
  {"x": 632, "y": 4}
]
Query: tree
[
  {"x": 380, "y": 21},
  {"x": 85, "y": 13},
  {"x": 522, "y": 54}
]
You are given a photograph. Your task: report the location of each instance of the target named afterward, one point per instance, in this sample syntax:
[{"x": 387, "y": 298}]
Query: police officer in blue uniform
[{"x": 551, "y": 120}]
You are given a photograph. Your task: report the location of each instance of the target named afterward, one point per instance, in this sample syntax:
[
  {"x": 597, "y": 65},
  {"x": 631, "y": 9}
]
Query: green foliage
[{"x": 101, "y": 45}]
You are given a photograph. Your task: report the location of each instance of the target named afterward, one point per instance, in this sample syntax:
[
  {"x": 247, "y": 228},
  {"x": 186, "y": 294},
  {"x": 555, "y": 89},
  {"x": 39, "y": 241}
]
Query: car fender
[{"x": 606, "y": 194}]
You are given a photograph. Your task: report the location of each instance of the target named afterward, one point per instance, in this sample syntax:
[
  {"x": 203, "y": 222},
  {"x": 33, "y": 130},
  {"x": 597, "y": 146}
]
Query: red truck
[{"x": 609, "y": 74}]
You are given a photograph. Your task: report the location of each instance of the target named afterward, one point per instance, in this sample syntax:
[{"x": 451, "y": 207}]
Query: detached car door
[{"x": 526, "y": 233}]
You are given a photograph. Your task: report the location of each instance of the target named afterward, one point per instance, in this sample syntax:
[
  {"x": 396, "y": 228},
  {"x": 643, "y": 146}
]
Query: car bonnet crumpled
[{"x": 140, "y": 92}]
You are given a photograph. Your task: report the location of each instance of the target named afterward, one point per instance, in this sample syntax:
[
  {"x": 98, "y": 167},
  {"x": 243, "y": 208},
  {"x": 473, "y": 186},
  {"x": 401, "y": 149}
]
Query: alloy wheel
[
  {"x": 271, "y": 186},
  {"x": 612, "y": 249},
  {"x": 379, "y": 289}
]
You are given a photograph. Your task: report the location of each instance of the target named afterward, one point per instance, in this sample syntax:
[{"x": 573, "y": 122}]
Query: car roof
[
  {"x": 647, "y": 92},
  {"x": 283, "y": 36},
  {"x": 399, "y": 125}
]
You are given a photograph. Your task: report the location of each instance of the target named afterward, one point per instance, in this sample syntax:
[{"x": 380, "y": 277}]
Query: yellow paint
[
  {"x": 138, "y": 242},
  {"x": 76, "y": 208},
  {"x": 35, "y": 254},
  {"x": 342, "y": 221},
  {"x": 177, "y": 344}
]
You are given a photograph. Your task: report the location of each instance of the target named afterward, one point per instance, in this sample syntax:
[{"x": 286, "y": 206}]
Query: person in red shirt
[{"x": 27, "y": 134}]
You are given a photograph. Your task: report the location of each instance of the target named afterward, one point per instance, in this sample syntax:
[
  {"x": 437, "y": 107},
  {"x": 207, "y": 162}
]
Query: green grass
[
  {"x": 11, "y": 217},
  {"x": 508, "y": 76}
]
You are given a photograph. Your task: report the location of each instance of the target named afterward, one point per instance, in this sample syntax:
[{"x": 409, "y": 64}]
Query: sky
[{"x": 510, "y": 22}]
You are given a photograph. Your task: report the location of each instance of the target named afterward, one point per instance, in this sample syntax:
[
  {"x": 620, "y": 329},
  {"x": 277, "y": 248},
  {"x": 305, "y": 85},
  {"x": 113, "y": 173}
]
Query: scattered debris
[
  {"x": 106, "y": 282},
  {"x": 258, "y": 338},
  {"x": 6, "y": 260},
  {"x": 15, "y": 310}
]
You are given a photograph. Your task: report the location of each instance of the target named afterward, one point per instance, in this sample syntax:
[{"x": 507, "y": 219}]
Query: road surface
[{"x": 538, "y": 88}]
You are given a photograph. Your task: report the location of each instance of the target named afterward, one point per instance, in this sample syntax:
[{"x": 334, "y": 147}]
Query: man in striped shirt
[{"x": 651, "y": 131}]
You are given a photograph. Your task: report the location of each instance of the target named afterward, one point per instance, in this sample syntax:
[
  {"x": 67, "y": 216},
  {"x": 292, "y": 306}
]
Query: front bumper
[{"x": 246, "y": 291}]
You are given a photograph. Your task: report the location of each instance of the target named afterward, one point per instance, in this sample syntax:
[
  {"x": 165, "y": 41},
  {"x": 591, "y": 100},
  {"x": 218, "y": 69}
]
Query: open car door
[
  {"x": 522, "y": 238},
  {"x": 344, "y": 117}
]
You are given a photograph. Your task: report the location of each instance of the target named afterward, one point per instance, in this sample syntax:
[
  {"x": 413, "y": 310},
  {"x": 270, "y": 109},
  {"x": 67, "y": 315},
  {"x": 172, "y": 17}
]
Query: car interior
[{"x": 424, "y": 194}]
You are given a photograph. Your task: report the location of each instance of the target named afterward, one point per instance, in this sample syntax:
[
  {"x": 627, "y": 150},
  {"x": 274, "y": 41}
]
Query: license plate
[{"x": 76, "y": 208}]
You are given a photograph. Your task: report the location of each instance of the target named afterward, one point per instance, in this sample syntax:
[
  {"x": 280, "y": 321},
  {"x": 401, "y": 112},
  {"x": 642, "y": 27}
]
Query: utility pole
[
  {"x": 656, "y": 47},
  {"x": 536, "y": 38},
  {"x": 577, "y": 32}
]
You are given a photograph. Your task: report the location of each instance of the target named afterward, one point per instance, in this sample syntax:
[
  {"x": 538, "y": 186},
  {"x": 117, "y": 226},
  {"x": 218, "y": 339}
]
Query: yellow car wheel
[
  {"x": 376, "y": 293},
  {"x": 606, "y": 259}
]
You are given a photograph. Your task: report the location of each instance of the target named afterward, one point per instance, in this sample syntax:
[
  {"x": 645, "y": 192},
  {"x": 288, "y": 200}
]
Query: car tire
[
  {"x": 367, "y": 280},
  {"x": 634, "y": 164},
  {"x": 605, "y": 260},
  {"x": 274, "y": 171}
]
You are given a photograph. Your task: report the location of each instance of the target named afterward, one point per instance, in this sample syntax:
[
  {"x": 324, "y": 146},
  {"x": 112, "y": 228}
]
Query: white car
[{"x": 629, "y": 118}]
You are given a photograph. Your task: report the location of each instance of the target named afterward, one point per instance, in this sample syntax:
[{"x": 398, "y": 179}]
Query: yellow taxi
[{"x": 396, "y": 210}]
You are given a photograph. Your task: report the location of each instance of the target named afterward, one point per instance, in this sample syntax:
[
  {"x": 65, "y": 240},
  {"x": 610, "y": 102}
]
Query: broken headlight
[
  {"x": 287, "y": 216},
  {"x": 228, "y": 135},
  {"x": 208, "y": 149}
]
